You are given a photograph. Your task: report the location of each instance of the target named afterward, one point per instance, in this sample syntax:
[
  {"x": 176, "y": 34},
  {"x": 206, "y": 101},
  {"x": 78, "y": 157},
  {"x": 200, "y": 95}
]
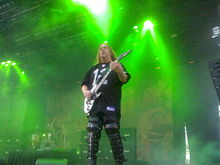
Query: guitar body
[{"x": 88, "y": 102}]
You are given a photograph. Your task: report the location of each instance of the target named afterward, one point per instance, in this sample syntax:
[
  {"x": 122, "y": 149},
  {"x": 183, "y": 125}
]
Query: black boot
[
  {"x": 93, "y": 145},
  {"x": 117, "y": 148},
  {"x": 91, "y": 162},
  {"x": 120, "y": 162}
]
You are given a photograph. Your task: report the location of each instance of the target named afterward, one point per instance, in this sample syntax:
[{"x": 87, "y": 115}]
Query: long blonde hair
[{"x": 113, "y": 54}]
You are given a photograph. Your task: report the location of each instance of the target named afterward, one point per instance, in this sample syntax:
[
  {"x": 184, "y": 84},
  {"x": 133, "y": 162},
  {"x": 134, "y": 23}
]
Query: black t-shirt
[{"x": 109, "y": 101}]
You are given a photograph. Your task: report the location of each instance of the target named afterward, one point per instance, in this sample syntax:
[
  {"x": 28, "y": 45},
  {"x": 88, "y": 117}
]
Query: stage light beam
[
  {"x": 99, "y": 14},
  {"x": 97, "y": 7}
]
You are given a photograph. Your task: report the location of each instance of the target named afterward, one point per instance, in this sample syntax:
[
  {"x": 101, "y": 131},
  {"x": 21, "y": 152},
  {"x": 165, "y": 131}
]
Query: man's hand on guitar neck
[
  {"x": 86, "y": 92},
  {"x": 116, "y": 66}
]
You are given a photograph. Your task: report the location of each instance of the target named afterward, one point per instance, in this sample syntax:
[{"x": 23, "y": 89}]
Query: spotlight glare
[
  {"x": 3, "y": 63},
  {"x": 22, "y": 72},
  {"x": 148, "y": 25},
  {"x": 6, "y": 65},
  {"x": 9, "y": 62},
  {"x": 135, "y": 27},
  {"x": 95, "y": 6},
  {"x": 13, "y": 63}
]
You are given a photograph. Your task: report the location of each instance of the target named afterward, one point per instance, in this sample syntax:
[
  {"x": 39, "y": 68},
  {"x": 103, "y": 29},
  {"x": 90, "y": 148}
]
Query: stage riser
[{"x": 51, "y": 162}]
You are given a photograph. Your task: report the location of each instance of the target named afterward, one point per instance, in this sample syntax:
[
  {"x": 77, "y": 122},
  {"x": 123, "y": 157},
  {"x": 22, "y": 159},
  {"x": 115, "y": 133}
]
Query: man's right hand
[{"x": 87, "y": 93}]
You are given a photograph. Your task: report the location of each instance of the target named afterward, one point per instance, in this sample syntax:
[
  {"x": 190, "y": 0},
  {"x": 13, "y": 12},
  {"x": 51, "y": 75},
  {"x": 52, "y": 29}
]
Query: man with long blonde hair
[{"x": 105, "y": 111}]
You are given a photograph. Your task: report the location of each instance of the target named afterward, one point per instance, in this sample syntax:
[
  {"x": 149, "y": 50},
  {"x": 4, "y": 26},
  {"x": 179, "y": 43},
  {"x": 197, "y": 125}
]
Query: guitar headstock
[{"x": 124, "y": 54}]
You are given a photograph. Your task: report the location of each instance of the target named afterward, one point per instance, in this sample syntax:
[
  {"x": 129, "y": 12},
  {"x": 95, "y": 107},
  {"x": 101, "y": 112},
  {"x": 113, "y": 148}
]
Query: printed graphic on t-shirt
[
  {"x": 102, "y": 70},
  {"x": 98, "y": 74},
  {"x": 95, "y": 72},
  {"x": 105, "y": 82}
]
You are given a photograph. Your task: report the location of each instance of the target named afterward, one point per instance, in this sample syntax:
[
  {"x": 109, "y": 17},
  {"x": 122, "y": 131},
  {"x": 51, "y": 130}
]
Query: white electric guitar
[{"x": 88, "y": 102}]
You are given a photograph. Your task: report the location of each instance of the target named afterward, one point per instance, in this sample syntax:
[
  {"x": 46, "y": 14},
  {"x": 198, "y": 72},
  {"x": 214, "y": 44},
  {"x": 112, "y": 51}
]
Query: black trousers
[{"x": 111, "y": 125}]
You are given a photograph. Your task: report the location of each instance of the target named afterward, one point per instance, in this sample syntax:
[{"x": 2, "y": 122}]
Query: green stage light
[
  {"x": 105, "y": 42},
  {"x": 97, "y": 7},
  {"x": 8, "y": 67},
  {"x": 99, "y": 15},
  {"x": 8, "y": 63},
  {"x": 148, "y": 25},
  {"x": 135, "y": 27}
]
